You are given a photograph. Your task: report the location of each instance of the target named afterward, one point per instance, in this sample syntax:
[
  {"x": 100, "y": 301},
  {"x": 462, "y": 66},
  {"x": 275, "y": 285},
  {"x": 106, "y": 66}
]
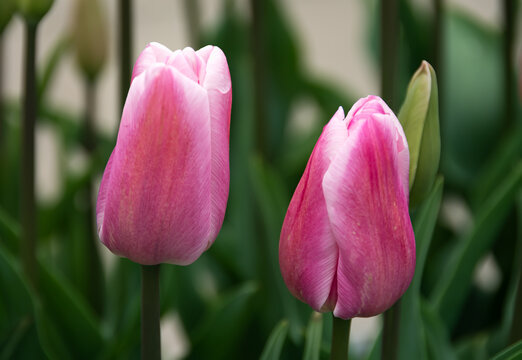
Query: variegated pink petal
[
  {"x": 368, "y": 212},
  {"x": 307, "y": 250},
  {"x": 158, "y": 208}
]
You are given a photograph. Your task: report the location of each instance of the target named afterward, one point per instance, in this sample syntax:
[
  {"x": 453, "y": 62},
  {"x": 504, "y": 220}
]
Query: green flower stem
[
  {"x": 340, "y": 339},
  {"x": 95, "y": 286},
  {"x": 150, "y": 313},
  {"x": 27, "y": 206},
  {"x": 125, "y": 12},
  {"x": 438, "y": 55},
  {"x": 2, "y": 116},
  {"x": 509, "y": 12},
  {"x": 258, "y": 60},
  {"x": 193, "y": 19},
  {"x": 389, "y": 46},
  {"x": 390, "y": 332}
]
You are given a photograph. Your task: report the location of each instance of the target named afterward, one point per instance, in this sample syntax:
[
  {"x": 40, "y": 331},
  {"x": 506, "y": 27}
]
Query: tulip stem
[
  {"x": 192, "y": 15},
  {"x": 438, "y": 46},
  {"x": 259, "y": 69},
  {"x": 125, "y": 12},
  {"x": 340, "y": 339},
  {"x": 2, "y": 116},
  {"x": 389, "y": 46},
  {"x": 390, "y": 332},
  {"x": 28, "y": 206},
  {"x": 95, "y": 286},
  {"x": 509, "y": 12},
  {"x": 150, "y": 313}
]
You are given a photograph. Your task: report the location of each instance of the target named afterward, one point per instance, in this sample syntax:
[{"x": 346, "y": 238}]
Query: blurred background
[{"x": 292, "y": 64}]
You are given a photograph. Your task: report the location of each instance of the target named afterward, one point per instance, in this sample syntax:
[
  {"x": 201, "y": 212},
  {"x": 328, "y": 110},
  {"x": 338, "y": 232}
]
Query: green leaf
[
  {"x": 419, "y": 116},
  {"x": 513, "y": 352},
  {"x": 452, "y": 288},
  {"x": 412, "y": 336},
  {"x": 230, "y": 315},
  {"x": 314, "y": 336},
  {"x": 275, "y": 342},
  {"x": 501, "y": 337},
  {"x": 273, "y": 200},
  {"x": 69, "y": 317},
  {"x": 470, "y": 117},
  {"x": 18, "y": 338},
  {"x": 500, "y": 162},
  {"x": 439, "y": 345}
]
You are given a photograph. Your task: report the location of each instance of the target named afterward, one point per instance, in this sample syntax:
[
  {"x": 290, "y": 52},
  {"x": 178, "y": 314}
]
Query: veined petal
[
  {"x": 372, "y": 106},
  {"x": 368, "y": 211},
  {"x": 158, "y": 207},
  {"x": 308, "y": 252},
  {"x": 218, "y": 85}
]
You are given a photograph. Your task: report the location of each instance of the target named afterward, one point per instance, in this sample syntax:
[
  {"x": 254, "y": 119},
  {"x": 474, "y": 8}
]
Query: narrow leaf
[
  {"x": 275, "y": 342},
  {"x": 314, "y": 337}
]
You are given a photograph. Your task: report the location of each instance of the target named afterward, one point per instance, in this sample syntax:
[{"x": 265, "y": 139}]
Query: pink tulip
[
  {"x": 347, "y": 244},
  {"x": 165, "y": 188}
]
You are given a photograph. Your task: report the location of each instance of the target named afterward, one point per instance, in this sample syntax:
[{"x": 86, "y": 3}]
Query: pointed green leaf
[
  {"x": 412, "y": 336},
  {"x": 314, "y": 336},
  {"x": 419, "y": 117},
  {"x": 451, "y": 290},
  {"x": 513, "y": 352},
  {"x": 275, "y": 342}
]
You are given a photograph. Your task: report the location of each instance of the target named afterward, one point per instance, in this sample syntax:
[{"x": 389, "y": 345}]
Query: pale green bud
[
  {"x": 90, "y": 37},
  {"x": 419, "y": 116}
]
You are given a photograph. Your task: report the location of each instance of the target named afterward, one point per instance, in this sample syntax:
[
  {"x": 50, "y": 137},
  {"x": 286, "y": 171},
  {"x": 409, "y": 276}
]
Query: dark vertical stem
[
  {"x": 150, "y": 313},
  {"x": 438, "y": 56},
  {"x": 192, "y": 12},
  {"x": 340, "y": 339},
  {"x": 258, "y": 61},
  {"x": 125, "y": 12},
  {"x": 390, "y": 332},
  {"x": 389, "y": 61},
  {"x": 95, "y": 286},
  {"x": 2, "y": 116},
  {"x": 389, "y": 46},
  {"x": 509, "y": 10},
  {"x": 28, "y": 207}
]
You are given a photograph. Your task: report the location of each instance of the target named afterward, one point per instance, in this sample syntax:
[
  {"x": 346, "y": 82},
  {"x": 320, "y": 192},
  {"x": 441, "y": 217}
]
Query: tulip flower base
[
  {"x": 340, "y": 339},
  {"x": 150, "y": 313}
]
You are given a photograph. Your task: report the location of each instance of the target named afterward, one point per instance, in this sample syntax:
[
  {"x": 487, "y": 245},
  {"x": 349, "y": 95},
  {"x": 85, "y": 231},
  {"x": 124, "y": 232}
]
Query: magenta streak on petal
[
  {"x": 156, "y": 166},
  {"x": 307, "y": 250},
  {"x": 368, "y": 211}
]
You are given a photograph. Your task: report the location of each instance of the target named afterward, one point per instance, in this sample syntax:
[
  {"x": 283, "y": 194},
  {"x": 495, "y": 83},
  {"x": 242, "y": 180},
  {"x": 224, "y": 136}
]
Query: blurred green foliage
[{"x": 232, "y": 302}]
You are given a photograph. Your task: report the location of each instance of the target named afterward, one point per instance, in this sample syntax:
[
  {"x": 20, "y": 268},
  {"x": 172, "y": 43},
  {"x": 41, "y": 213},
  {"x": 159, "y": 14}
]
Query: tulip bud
[
  {"x": 164, "y": 191},
  {"x": 7, "y": 9},
  {"x": 90, "y": 37},
  {"x": 34, "y": 10},
  {"x": 347, "y": 243},
  {"x": 419, "y": 116}
]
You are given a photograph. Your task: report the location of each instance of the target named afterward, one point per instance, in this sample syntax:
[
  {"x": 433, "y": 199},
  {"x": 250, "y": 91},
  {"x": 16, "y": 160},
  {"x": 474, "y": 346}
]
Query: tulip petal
[
  {"x": 158, "y": 207},
  {"x": 371, "y": 106},
  {"x": 307, "y": 249},
  {"x": 219, "y": 88},
  {"x": 368, "y": 210},
  {"x": 152, "y": 54}
]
